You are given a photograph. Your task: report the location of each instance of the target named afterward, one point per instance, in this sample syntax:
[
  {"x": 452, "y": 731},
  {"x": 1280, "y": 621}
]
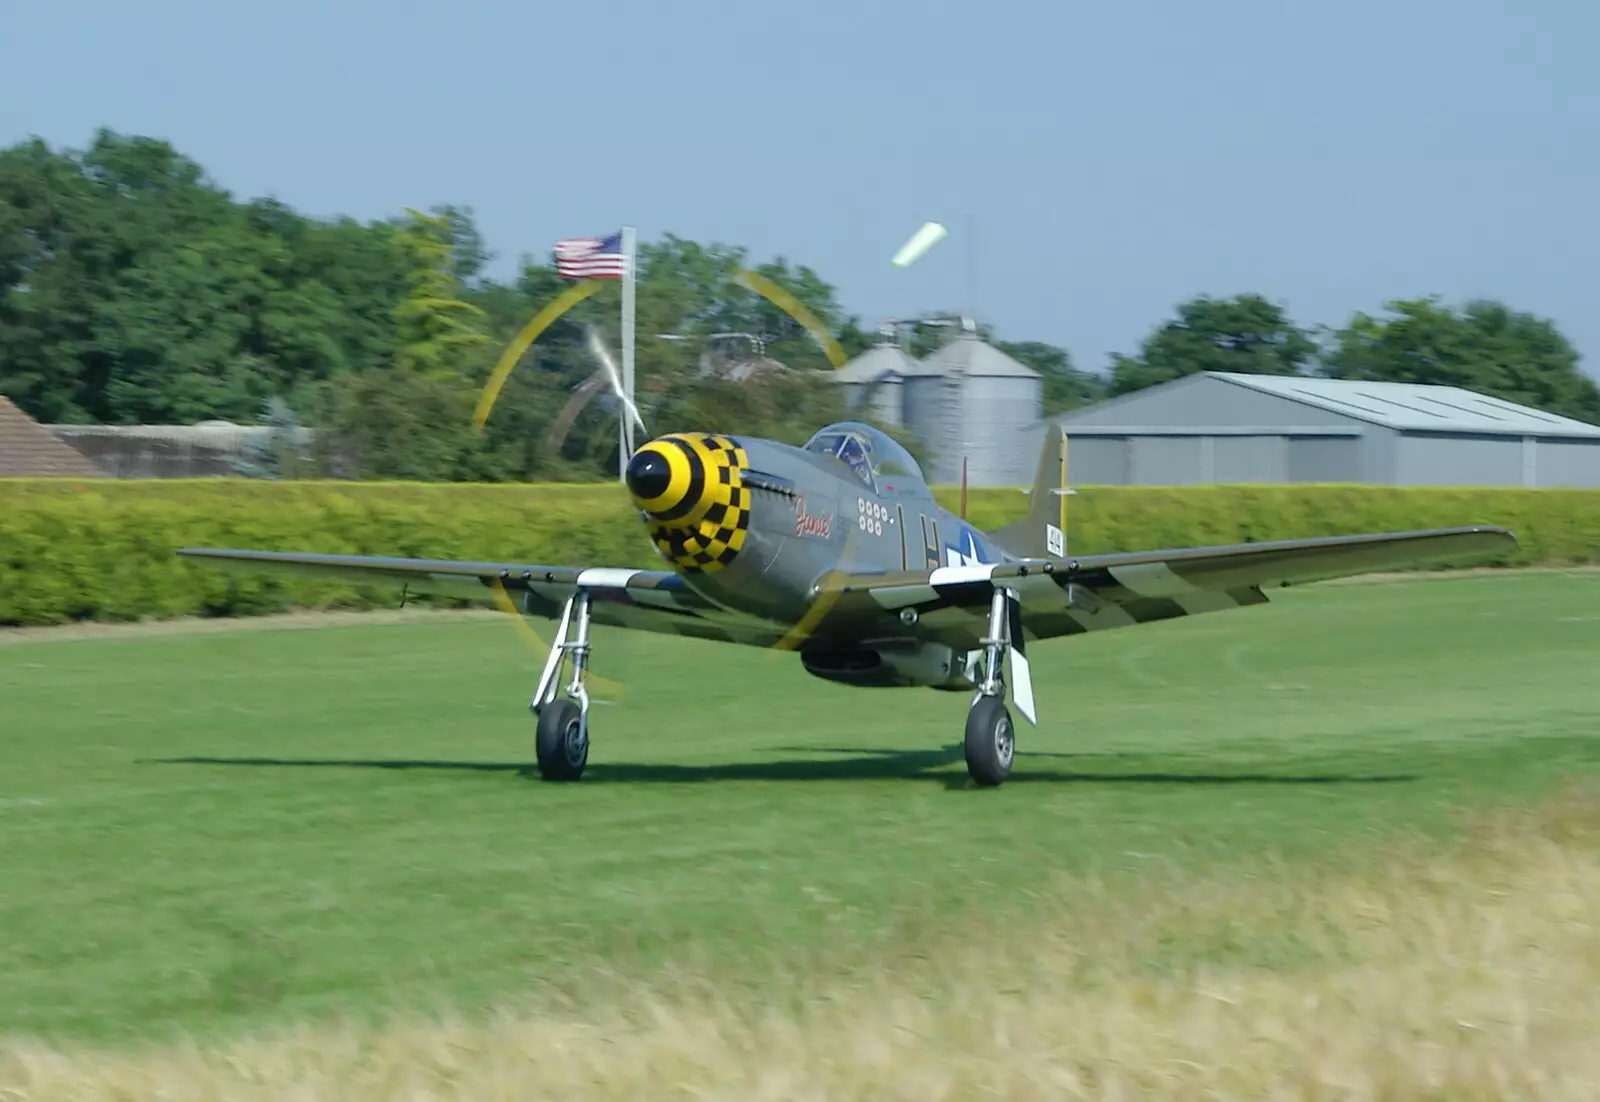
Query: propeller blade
[
  {"x": 530, "y": 332},
  {"x": 562, "y": 425},
  {"x": 535, "y": 642},
  {"x": 829, "y": 596},
  {"x": 792, "y": 306},
  {"x": 601, "y": 353}
]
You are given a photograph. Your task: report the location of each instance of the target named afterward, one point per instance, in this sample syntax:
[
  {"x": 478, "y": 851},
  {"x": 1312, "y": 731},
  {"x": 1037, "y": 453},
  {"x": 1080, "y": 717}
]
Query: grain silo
[
  {"x": 874, "y": 380},
  {"x": 969, "y": 399}
]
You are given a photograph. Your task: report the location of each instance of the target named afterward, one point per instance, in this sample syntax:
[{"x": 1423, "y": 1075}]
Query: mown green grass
[{"x": 364, "y": 834}]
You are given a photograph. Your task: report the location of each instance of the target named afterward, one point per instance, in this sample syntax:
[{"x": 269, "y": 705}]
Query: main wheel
[
  {"x": 562, "y": 743},
  {"x": 990, "y": 741}
]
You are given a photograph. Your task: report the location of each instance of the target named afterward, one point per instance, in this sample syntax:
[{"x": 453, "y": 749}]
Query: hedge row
[{"x": 104, "y": 549}]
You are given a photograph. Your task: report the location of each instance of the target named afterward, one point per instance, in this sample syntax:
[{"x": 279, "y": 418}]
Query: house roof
[
  {"x": 1413, "y": 406},
  {"x": 29, "y": 450}
]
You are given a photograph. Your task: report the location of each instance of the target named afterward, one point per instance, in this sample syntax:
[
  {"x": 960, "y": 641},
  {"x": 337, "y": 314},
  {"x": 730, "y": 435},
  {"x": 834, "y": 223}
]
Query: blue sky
[{"x": 1115, "y": 157}]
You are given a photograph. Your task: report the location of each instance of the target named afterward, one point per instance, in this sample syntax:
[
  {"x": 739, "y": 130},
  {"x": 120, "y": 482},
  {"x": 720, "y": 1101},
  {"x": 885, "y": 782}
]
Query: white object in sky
[{"x": 924, "y": 239}]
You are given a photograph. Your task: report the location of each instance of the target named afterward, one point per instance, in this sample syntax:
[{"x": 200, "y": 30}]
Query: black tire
[
  {"x": 991, "y": 742},
  {"x": 562, "y": 743}
]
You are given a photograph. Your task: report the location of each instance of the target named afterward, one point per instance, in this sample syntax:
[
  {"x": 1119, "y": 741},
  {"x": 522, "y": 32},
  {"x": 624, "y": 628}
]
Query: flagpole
[{"x": 626, "y": 430}]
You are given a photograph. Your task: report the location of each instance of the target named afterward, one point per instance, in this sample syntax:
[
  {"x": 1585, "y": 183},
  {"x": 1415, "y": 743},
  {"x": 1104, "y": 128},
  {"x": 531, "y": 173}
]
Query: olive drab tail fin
[{"x": 1043, "y": 532}]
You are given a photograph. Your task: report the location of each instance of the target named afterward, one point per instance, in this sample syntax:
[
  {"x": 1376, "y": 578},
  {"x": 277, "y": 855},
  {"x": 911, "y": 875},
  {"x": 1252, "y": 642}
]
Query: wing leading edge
[
  {"x": 1093, "y": 592},
  {"x": 644, "y": 600},
  {"x": 950, "y": 604}
]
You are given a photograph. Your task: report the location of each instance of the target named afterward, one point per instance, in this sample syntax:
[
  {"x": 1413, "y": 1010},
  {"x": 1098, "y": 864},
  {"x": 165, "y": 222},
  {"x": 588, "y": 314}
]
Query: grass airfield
[{"x": 221, "y": 833}]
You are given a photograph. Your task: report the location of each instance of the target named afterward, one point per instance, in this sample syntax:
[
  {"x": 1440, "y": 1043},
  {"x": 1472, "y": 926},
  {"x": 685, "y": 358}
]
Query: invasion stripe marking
[
  {"x": 956, "y": 617},
  {"x": 1151, "y": 610},
  {"x": 1153, "y": 579},
  {"x": 1248, "y": 595},
  {"x": 1051, "y": 625},
  {"x": 655, "y": 598},
  {"x": 1207, "y": 600},
  {"x": 899, "y": 596},
  {"x": 961, "y": 575},
  {"x": 1038, "y": 591},
  {"x": 1108, "y": 615},
  {"x": 606, "y": 577},
  {"x": 554, "y": 591}
]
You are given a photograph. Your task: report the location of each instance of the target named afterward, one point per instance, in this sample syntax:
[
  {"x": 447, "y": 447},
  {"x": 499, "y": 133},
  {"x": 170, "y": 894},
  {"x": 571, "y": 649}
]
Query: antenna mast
[{"x": 972, "y": 274}]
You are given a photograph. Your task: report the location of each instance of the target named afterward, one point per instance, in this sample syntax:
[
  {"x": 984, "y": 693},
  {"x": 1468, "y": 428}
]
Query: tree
[
  {"x": 1486, "y": 347},
  {"x": 933, "y": 330},
  {"x": 1245, "y": 334},
  {"x": 686, "y": 293},
  {"x": 283, "y": 453},
  {"x": 401, "y": 423},
  {"x": 409, "y": 416},
  {"x": 436, "y": 328},
  {"x": 1065, "y": 387},
  {"x": 133, "y": 289},
  {"x": 469, "y": 254},
  {"x": 688, "y": 289}
]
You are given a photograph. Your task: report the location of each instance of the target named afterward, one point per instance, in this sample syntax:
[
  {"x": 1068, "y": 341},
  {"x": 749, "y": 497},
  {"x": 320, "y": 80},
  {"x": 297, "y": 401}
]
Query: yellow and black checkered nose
[
  {"x": 688, "y": 486},
  {"x": 667, "y": 478}
]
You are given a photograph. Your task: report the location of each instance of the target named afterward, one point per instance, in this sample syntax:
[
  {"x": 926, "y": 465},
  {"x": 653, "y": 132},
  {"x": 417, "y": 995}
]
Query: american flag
[{"x": 591, "y": 257}]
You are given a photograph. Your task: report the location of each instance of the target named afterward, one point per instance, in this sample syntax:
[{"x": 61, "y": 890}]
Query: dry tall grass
[{"x": 1465, "y": 973}]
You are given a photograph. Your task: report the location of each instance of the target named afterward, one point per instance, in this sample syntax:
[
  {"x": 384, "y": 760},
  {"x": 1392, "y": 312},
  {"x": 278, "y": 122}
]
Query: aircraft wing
[
  {"x": 645, "y": 600},
  {"x": 1069, "y": 596},
  {"x": 951, "y": 604}
]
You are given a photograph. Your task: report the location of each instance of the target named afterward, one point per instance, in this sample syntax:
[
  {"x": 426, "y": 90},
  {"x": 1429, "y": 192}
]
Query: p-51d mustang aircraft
[{"x": 838, "y": 550}]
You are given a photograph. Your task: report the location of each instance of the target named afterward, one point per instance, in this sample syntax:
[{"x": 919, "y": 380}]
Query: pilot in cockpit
[{"x": 854, "y": 453}]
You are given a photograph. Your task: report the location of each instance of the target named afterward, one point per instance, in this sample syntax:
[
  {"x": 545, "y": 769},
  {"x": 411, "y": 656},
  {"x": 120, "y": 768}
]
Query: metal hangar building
[{"x": 1219, "y": 427}]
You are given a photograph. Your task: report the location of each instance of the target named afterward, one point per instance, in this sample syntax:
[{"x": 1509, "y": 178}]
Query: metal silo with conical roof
[
  {"x": 873, "y": 381},
  {"x": 969, "y": 399}
]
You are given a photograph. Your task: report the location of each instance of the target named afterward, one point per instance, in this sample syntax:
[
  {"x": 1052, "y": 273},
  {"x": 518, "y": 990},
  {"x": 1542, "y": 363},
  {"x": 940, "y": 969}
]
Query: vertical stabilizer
[{"x": 1043, "y": 532}]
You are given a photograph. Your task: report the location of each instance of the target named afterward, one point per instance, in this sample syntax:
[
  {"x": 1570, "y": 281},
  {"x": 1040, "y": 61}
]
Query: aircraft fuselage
[{"x": 754, "y": 525}]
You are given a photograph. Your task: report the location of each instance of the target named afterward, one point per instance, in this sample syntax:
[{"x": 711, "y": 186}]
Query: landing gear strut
[
  {"x": 991, "y": 739},
  {"x": 562, "y": 741}
]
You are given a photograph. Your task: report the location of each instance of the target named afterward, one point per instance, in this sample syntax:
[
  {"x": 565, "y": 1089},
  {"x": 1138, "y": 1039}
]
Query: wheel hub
[
  {"x": 577, "y": 741},
  {"x": 1004, "y": 743}
]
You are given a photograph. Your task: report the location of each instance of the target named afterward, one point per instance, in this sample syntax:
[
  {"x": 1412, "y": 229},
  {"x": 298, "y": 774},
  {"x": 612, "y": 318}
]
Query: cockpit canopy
[{"x": 870, "y": 454}]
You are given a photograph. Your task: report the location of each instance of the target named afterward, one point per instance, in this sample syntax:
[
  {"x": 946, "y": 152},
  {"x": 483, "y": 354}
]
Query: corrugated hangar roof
[
  {"x": 967, "y": 355},
  {"x": 1412, "y": 407}
]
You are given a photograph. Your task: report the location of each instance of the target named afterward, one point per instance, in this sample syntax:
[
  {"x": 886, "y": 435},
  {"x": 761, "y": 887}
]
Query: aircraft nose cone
[
  {"x": 689, "y": 489},
  {"x": 649, "y": 475}
]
